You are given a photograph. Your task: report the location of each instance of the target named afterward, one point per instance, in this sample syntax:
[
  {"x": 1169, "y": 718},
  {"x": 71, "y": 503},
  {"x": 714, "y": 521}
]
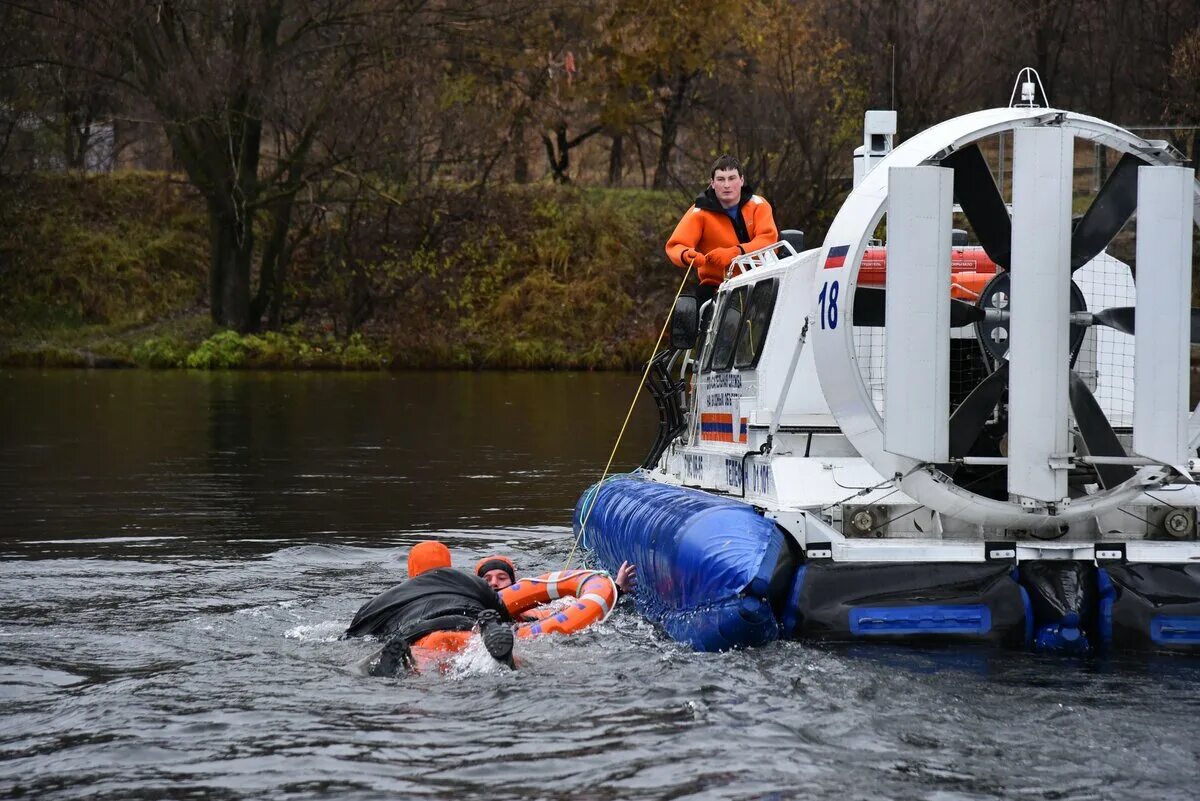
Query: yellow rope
[{"x": 588, "y": 512}]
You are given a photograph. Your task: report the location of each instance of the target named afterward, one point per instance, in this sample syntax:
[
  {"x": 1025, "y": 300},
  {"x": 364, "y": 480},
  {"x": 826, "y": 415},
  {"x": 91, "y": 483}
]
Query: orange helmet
[
  {"x": 489, "y": 563},
  {"x": 426, "y": 556}
]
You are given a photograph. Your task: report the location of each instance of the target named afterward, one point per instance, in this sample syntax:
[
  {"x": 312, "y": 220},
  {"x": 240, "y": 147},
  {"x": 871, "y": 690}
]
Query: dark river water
[{"x": 179, "y": 553}]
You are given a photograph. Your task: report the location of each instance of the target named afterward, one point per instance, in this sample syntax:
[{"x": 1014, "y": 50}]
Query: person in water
[
  {"x": 500, "y": 572},
  {"x": 434, "y": 600},
  {"x": 726, "y": 221}
]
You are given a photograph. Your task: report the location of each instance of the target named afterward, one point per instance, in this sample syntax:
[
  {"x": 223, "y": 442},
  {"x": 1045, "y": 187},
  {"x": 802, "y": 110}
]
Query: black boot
[
  {"x": 497, "y": 636},
  {"x": 395, "y": 658}
]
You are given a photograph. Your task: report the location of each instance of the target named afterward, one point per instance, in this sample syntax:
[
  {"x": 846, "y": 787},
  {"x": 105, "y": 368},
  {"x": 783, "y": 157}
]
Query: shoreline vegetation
[{"x": 111, "y": 270}]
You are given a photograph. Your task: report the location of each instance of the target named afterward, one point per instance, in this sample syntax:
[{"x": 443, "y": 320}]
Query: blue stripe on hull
[
  {"x": 1175, "y": 630},
  {"x": 932, "y": 619}
]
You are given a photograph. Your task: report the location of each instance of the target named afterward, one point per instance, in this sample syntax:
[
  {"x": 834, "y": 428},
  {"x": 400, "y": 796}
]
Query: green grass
[{"x": 117, "y": 250}]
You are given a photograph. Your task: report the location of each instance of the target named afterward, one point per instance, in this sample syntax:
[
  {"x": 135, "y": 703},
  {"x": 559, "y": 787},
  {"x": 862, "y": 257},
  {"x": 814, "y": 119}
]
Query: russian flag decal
[{"x": 836, "y": 257}]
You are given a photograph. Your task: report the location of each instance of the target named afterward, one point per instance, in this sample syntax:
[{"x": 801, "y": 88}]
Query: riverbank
[{"x": 110, "y": 270}]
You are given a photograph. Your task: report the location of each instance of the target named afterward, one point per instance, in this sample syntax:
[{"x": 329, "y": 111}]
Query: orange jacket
[{"x": 706, "y": 227}]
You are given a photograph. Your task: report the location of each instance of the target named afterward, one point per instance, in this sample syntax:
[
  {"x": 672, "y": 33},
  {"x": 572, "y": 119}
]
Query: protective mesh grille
[
  {"x": 967, "y": 367},
  {"x": 1106, "y": 358}
]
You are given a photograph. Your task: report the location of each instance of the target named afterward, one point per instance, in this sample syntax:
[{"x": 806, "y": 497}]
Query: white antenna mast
[{"x": 1025, "y": 82}]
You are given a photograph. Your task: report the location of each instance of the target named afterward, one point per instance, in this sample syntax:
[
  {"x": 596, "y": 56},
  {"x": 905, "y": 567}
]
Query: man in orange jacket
[{"x": 726, "y": 221}]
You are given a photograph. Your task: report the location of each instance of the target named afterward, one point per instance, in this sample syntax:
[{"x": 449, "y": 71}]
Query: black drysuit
[{"x": 443, "y": 599}]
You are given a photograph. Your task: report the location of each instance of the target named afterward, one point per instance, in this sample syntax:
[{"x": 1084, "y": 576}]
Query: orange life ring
[{"x": 595, "y": 594}]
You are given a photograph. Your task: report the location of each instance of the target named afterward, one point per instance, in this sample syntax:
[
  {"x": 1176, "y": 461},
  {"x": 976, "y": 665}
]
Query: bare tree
[{"x": 242, "y": 91}]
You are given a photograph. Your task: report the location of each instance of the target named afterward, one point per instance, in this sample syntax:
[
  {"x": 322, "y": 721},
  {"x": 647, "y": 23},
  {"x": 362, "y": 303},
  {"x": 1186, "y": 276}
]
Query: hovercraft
[{"x": 936, "y": 438}]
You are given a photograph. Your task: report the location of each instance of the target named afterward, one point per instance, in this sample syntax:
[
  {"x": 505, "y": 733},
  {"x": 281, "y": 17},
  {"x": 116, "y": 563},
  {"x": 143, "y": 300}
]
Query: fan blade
[
  {"x": 1118, "y": 317},
  {"x": 969, "y": 418},
  {"x": 1122, "y": 319},
  {"x": 1108, "y": 213},
  {"x": 963, "y": 313},
  {"x": 870, "y": 304},
  {"x": 1098, "y": 436},
  {"x": 976, "y": 192}
]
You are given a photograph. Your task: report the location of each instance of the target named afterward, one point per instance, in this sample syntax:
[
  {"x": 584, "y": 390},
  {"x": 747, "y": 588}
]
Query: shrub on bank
[
  {"x": 229, "y": 350},
  {"x": 222, "y": 351},
  {"x": 160, "y": 353}
]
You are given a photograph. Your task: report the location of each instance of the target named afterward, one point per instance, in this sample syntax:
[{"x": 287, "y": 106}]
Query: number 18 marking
[{"x": 829, "y": 305}]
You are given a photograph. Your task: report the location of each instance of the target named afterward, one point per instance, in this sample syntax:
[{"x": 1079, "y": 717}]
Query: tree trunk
[
  {"x": 275, "y": 307},
  {"x": 225, "y": 166},
  {"x": 276, "y": 256},
  {"x": 273, "y": 269},
  {"x": 616, "y": 160},
  {"x": 671, "y": 117},
  {"x": 76, "y": 136},
  {"x": 558, "y": 154},
  {"x": 520, "y": 156},
  {"x": 229, "y": 281}
]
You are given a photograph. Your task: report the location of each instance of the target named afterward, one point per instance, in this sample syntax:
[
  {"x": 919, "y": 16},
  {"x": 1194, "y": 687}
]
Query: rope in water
[{"x": 588, "y": 512}]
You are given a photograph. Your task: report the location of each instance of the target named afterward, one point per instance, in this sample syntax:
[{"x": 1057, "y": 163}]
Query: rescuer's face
[{"x": 728, "y": 186}]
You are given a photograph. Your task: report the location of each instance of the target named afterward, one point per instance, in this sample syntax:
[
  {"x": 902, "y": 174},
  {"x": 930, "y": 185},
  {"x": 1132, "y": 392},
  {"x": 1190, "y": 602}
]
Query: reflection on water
[
  {"x": 357, "y": 458},
  {"x": 181, "y": 551}
]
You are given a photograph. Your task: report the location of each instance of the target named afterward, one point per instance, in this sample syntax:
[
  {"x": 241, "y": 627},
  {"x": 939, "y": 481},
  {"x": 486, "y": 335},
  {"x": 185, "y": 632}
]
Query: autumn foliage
[{"x": 299, "y": 123}]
